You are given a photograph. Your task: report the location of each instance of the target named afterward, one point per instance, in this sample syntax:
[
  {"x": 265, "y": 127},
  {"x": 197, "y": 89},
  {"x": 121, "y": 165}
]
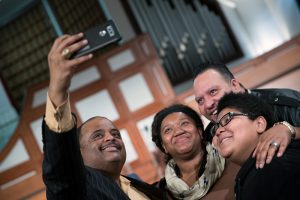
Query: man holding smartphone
[{"x": 84, "y": 163}]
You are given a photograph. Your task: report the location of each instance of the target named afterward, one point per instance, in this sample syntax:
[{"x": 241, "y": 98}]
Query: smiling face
[
  {"x": 101, "y": 145},
  {"x": 180, "y": 136},
  {"x": 209, "y": 87},
  {"x": 238, "y": 138}
]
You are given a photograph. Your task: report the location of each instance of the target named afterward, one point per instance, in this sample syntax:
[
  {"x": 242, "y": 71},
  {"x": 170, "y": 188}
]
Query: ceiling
[{"x": 10, "y": 9}]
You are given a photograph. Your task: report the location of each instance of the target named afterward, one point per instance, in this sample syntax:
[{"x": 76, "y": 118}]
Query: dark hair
[
  {"x": 248, "y": 104},
  {"x": 79, "y": 129},
  {"x": 219, "y": 67},
  {"x": 159, "y": 117}
]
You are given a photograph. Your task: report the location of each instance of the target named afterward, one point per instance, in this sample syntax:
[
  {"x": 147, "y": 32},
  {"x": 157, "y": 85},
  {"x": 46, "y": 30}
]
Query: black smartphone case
[{"x": 99, "y": 37}]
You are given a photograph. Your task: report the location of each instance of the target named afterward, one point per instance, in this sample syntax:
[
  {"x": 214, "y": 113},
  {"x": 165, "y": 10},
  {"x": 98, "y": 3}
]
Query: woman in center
[{"x": 193, "y": 165}]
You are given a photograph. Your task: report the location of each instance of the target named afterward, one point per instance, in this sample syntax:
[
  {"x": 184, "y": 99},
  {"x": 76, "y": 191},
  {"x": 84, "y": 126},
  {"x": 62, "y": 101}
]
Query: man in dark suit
[{"x": 84, "y": 163}]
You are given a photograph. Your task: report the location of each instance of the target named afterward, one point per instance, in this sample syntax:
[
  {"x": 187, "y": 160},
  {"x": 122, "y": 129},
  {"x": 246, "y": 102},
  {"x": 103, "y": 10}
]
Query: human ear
[
  {"x": 215, "y": 141},
  {"x": 261, "y": 124},
  {"x": 236, "y": 86},
  {"x": 163, "y": 146},
  {"x": 200, "y": 132}
]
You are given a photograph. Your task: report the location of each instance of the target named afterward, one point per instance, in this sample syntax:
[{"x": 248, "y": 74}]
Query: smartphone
[{"x": 99, "y": 37}]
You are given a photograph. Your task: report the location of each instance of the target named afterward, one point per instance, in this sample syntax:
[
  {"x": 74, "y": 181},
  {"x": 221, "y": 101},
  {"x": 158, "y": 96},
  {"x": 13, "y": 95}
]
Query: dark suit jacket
[
  {"x": 66, "y": 177},
  {"x": 278, "y": 180}
]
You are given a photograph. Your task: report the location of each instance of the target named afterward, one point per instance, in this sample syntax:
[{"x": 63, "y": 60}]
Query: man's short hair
[
  {"x": 219, "y": 67},
  {"x": 79, "y": 129}
]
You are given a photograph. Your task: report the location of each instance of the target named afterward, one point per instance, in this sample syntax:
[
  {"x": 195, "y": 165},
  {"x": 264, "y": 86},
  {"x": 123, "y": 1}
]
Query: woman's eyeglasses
[{"x": 225, "y": 120}]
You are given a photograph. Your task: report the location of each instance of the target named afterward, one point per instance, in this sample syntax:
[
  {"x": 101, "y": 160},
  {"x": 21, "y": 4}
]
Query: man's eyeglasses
[{"x": 225, "y": 120}]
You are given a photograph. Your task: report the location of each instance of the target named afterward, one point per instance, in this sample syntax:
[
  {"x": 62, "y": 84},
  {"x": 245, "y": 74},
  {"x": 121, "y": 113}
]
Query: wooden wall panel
[
  {"x": 290, "y": 80},
  {"x": 273, "y": 64}
]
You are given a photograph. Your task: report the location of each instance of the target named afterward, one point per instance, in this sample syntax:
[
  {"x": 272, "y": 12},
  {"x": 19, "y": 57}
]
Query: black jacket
[
  {"x": 285, "y": 103},
  {"x": 278, "y": 180},
  {"x": 66, "y": 177}
]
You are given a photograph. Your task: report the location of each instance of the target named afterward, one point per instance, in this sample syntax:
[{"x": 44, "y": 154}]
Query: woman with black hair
[
  {"x": 242, "y": 119},
  {"x": 193, "y": 165}
]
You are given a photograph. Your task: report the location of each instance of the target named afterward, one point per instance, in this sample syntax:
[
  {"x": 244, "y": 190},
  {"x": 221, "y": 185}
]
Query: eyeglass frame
[{"x": 218, "y": 124}]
